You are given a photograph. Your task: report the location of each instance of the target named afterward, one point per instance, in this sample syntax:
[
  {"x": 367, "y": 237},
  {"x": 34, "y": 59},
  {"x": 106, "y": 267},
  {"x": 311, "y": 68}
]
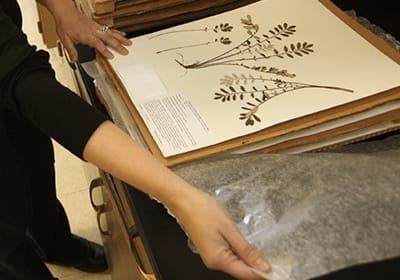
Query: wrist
[
  {"x": 181, "y": 202},
  {"x": 59, "y": 8}
]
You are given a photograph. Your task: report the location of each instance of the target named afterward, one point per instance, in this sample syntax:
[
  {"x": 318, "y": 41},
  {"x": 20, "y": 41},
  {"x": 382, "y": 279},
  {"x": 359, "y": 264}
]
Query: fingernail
[
  {"x": 262, "y": 265},
  {"x": 259, "y": 273}
]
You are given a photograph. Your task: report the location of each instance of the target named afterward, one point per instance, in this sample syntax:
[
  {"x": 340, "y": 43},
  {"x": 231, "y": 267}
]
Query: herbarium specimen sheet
[{"x": 236, "y": 73}]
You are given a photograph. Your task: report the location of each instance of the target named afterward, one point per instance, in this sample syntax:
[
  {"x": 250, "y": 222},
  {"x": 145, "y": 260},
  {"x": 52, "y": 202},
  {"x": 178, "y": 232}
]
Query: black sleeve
[
  {"x": 29, "y": 89},
  {"x": 14, "y": 47},
  {"x": 34, "y": 94}
]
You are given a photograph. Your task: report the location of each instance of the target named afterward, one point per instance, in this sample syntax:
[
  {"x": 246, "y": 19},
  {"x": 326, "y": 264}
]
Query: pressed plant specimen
[
  {"x": 255, "y": 48},
  {"x": 222, "y": 27},
  {"x": 243, "y": 88},
  {"x": 249, "y": 54}
]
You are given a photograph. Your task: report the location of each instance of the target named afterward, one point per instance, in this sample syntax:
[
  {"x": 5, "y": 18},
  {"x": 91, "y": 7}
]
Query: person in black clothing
[{"x": 34, "y": 107}]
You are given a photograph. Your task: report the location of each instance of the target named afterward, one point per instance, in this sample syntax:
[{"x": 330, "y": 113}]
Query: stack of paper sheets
[{"x": 137, "y": 16}]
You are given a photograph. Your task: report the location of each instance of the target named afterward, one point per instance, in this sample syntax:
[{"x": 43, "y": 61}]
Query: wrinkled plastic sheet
[{"x": 311, "y": 213}]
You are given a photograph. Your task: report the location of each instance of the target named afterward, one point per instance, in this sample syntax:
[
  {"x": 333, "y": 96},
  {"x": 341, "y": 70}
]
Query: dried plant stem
[
  {"x": 230, "y": 53},
  {"x": 215, "y": 59},
  {"x": 178, "y": 31},
  {"x": 332, "y": 87},
  {"x": 188, "y": 46},
  {"x": 242, "y": 87}
]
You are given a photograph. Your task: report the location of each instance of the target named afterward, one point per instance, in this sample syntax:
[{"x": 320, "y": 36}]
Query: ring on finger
[{"x": 105, "y": 28}]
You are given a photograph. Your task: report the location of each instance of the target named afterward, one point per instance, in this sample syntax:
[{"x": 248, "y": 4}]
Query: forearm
[
  {"x": 115, "y": 152},
  {"x": 59, "y": 7},
  {"x": 214, "y": 234}
]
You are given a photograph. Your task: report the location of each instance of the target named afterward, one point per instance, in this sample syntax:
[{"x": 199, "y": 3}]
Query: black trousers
[{"x": 32, "y": 220}]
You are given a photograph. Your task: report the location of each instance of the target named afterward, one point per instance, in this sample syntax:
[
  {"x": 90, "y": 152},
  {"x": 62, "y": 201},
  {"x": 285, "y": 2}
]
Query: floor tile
[
  {"x": 70, "y": 172},
  {"x": 68, "y": 273}
]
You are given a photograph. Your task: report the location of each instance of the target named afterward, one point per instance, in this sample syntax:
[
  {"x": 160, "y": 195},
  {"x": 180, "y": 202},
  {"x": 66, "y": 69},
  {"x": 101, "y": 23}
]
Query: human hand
[
  {"x": 215, "y": 235},
  {"x": 73, "y": 27},
  {"x": 217, "y": 239}
]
